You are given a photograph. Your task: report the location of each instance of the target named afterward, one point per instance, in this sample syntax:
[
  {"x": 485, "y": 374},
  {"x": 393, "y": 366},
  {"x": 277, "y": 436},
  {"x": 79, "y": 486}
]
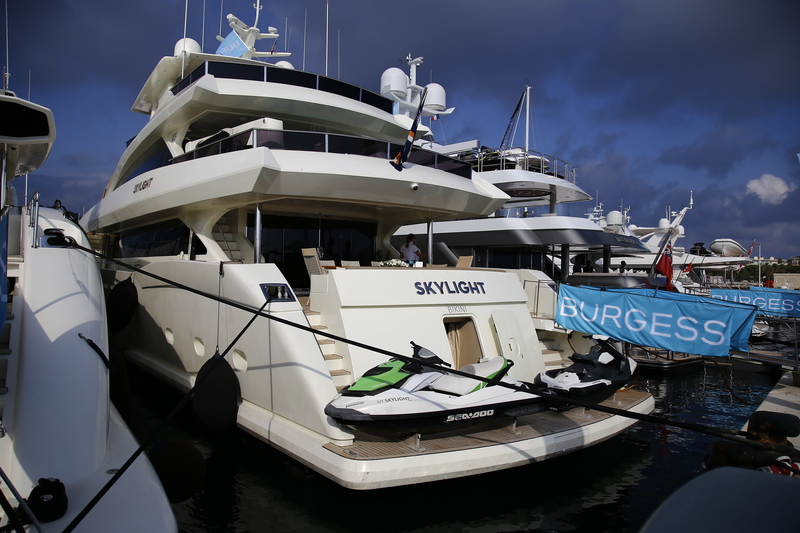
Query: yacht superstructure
[{"x": 248, "y": 181}]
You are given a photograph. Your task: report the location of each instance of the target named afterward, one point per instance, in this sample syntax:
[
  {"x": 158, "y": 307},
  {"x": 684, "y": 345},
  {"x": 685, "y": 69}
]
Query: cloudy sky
[{"x": 650, "y": 99}]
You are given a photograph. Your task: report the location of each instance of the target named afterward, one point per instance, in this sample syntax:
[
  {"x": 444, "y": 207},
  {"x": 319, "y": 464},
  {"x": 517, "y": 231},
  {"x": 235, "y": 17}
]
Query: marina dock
[{"x": 785, "y": 398}]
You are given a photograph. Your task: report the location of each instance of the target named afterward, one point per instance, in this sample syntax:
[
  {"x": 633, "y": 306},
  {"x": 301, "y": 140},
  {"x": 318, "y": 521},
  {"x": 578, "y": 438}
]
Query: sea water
[{"x": 610, "y": 487}]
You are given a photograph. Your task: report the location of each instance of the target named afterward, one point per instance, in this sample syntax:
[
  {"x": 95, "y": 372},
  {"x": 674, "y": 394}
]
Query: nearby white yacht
[
  {"x": 247, "y": 177},
  {"x": 61, "y": 439},
  {"x": 528, "y": 232},
  {"x": 688, "y": 268}
]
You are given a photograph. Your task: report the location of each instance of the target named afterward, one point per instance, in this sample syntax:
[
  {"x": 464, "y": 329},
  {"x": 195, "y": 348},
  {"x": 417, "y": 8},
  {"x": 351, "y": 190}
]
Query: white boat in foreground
[
  {"x": 57, "y": 420},
  {"x": 245, "y": 179}
]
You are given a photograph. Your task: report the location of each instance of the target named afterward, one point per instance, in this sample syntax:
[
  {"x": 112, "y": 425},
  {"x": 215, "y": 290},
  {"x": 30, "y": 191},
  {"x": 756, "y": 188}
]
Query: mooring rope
[{"x": 727, "y": 434}]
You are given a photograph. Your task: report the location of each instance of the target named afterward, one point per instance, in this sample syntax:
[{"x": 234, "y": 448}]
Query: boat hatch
[
  {"x": 464, "y": 343},
  {"x": 509, "y": 334}
]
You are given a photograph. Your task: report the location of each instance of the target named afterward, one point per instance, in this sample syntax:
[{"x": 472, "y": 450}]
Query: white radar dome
[
  {"x": 614, "y": 218},
  {"x": 284, "y": 64},
  {"x": 437, "y": 98},
  {"x": 189, "y": 45},
  {"x": 681, "y": 231},
  {"x": 394, "y": 82},
  {"x": 663, "y": 223}
]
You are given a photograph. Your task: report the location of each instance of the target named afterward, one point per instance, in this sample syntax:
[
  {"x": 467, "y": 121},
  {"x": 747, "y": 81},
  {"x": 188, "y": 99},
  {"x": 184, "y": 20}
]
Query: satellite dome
[
  {"x": 394, "y": 82},
  {"x": 284, "y": 64},
  {"x": 614, "y": 218},
  {"x": 681, "y": 231},
  {"x": 188, "y": 45},
  {"x": 663, "y": 223},
  {"x": 437, "y": 98}
]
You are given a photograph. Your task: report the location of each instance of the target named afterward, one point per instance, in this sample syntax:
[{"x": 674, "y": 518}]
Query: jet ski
[
  {"x": 595, "y": 375},
  {"x": 409, "y": 394}
]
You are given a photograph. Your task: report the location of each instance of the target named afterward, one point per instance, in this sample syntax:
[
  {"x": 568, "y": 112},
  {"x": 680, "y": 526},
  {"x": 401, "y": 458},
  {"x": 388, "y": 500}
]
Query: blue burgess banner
[
  {"x": 670, "y": 321},
  {"x": 771, "y": 302}
]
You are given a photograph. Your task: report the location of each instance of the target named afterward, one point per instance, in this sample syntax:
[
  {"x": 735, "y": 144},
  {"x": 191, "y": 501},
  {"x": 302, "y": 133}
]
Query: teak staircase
[
  {"x": 227, "y": 240},
  {"x": 330, "y": 349}
]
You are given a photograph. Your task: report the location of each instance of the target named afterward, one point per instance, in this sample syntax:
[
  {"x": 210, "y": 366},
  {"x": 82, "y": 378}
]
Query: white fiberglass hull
[
  {"x": 428, "y": 465},
  {"x": 57, "y": 418},
  {"x": 288, "y": 375}
]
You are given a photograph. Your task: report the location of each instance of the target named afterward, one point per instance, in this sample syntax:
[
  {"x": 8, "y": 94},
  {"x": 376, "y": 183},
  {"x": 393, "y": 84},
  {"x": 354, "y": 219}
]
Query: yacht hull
[
  {"x": 57, "y": 419},
  {"x": 289, "y": 373}
]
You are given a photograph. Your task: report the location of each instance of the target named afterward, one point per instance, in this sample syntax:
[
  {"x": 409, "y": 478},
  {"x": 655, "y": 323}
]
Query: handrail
[
  {"x": 33, "y": 214},
  {"x": 268, "y": 73},
  {"x": 530, "y": 160},
  {"x": 326, "y": 143}
]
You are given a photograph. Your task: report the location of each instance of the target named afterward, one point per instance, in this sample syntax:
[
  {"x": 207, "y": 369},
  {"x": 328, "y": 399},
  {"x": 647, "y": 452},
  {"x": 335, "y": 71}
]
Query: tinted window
[
  {"x": 236, "y": 71},
  {"x": 169, "y": 238}
]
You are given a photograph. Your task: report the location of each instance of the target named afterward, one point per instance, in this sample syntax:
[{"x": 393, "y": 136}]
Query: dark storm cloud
[
  {"x": 718, "y": 151},
  {"x": 650, "y": 99}
]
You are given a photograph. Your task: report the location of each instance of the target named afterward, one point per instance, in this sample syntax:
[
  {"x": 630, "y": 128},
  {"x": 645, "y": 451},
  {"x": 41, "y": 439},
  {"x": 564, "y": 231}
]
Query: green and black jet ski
[{"x": 410, "y": 394}]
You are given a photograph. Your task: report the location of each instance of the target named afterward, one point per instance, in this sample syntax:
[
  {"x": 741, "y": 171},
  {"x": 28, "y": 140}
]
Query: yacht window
[
  {"x": 330, "y": 85},
  {"x": 160, "y": 156},
  {"x": 342, "y": 144},
  {"x": 168, "y": 238},
  {"x": 297, "y": 78},
  {"x": 464, "y": 342},
  {"x": 236, "y": 71},
  {"x": 284, "y": 237}
]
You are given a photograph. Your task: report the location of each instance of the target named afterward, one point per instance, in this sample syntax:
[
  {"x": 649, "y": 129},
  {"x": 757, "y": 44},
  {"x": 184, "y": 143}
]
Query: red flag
[
  {"x": 664, "y": 265},
  {"x": 687, "y": 268},
  {"x": 750, "y": 251}
]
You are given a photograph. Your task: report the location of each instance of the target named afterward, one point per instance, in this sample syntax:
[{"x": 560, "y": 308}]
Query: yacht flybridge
[{"x": 272, "y": 189}]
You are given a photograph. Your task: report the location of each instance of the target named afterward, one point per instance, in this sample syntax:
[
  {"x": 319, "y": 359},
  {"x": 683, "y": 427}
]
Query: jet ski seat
[{"x": 459, "y": 385}]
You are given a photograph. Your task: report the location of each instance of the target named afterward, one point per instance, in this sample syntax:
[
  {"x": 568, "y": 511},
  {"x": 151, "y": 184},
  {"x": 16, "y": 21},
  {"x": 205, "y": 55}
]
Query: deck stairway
[
  {"x": 331, "y": 349},
  {"x": 550, "y": 353},
  {"x": 226, "y": 239}
]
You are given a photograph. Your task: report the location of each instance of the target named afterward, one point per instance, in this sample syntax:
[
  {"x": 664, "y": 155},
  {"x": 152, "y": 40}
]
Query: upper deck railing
[
  {"x": 272, "y": 74},
  {"x": 325, "y": 143},
  {"x": 530, "y": 160}
]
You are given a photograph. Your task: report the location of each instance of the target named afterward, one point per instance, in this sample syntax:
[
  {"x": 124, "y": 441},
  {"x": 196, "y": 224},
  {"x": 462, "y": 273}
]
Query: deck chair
[
  {"x": 430, "y": 265},
  {"x": 376, "y": 263},
  {"x": 350, "y": 263},
  {"x": 465, "y": 261},
  {"x": 327, "y": 262},
  {"x": 313, "y": 264}
]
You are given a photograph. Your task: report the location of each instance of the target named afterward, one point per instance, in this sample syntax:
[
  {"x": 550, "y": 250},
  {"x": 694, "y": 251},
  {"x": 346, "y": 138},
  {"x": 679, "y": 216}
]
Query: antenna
[
  {"x": 527, "y": 114},
  {"x": 203, "y": 32},
  {"x": 221, "y": 11},
  {"x": 257, "y": 5},
  {"x": 185, "y": 21},
  {"x": 326, "y": 37},
  {"x": 6, "y": 69},
  {"x": 305, "y": 26}
]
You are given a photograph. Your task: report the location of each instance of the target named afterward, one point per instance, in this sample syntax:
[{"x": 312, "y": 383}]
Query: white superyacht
[{"x": 273, "y": 188}]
